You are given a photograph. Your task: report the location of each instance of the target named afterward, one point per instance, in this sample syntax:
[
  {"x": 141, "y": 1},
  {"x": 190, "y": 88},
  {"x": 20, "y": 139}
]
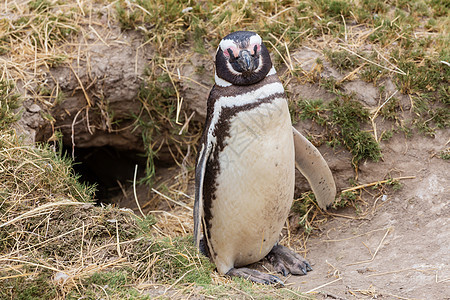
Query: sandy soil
[{"x": 402, "y": 250}]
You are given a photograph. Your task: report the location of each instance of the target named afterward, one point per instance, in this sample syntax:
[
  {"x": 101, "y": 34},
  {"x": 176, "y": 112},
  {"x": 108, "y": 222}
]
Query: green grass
[
  {"x": 372, "y": 73},
  {"x": 38, "y": 176},
  {"x": 346, "y": 199},
  {"x": 44, "y": 23},
  {"x": 387, "y": 135},
  {"x": 302, "y": 206},
  {"x": 172, "y": 261},
  {"x": 342, "y": 119},
  {"x": 9, "y": 103},
  {"x": 445, "y": 154},
  {"x": 391, "y": 110},
  {"x": 179, "y": 262},
  {"x": 420, "y": 59},
  {"x": 112, "y": 283},
  {"x": 342, "y": 59},
  {"x": 146, "y": 223},
  {"x": 159, "y": 109},
  {"x": 425, "y": 83},
  {"x": 395, "y": 184},
  {"x": 23, "y": 288},
  {"x": 348, "y": 116},
  {"x": 427, "y": 77},
  {"x": 163, "y": 22}
]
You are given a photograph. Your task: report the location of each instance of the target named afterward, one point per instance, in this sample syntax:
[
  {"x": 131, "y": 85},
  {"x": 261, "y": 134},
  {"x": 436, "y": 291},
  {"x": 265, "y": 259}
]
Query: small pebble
[{"x": 34, "y": 108}]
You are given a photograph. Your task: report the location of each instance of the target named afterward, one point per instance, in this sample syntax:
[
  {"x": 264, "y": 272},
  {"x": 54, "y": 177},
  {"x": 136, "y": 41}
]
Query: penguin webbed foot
[
  {"x": 254, "y": 275},
  {"x": 286, "y": 261}
]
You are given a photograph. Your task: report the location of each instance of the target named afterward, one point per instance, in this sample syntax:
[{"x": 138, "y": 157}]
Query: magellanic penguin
[{"x": 244, "y": 176}]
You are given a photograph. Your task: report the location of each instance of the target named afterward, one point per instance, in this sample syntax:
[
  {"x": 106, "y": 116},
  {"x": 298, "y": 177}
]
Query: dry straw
[{"x": 47, "y": 226}]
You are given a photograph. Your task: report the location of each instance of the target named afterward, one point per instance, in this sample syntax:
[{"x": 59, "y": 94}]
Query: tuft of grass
[
  {"x": 347, "y": 199},
  {"x": 395, "y": 184},
  {"x": 164, "y": 23},
  {"x": 39, "y": 5},
  {"x": 46, "y": 174},
  {"x": 159, "y": 109},
  {"x": 371, "y": 72},
  {"x": 314, "y": 110},
  {"x": 429, "y": 116},
  {"x": 114, "y": 284},
  {"x": 342, "y": 119},
  {"x": 303, "y": 206},
  {"x": 113, "y": 279},
  {"x": 348, "y": 115},
  {"x": 158, "y": 106},
  {"x": 23, "y": 288},
  {"x": 9, "y": 103},
  {"x": 342, "y": 59},
  {"x": 146, "y": 223},
  {"x": 179, "y": 261},
  {"x": 374, "y": 6},
  {"x": 387, "y": 135},
  {"x": 330, "y": 84},
  {"x": 445, "y": 154},
  {"x": 391, "y": 109},
  {"x": 427, "y": 77},
  {"x": 332, "y": 8}
]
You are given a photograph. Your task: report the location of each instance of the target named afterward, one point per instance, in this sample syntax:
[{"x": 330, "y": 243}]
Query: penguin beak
[{"x": 246, "y": 61}]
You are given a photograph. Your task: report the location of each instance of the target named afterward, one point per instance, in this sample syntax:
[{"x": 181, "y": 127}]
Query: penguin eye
[
  {"x": 256, "y": 49},
  {"x": 230, "y": 53}
]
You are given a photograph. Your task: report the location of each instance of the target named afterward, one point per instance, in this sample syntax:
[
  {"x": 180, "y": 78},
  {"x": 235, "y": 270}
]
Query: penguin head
[{"x": 242, "y": 58}]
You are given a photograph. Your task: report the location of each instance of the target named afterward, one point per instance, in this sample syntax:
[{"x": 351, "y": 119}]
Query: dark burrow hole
[{"x": 109, "y": 168}]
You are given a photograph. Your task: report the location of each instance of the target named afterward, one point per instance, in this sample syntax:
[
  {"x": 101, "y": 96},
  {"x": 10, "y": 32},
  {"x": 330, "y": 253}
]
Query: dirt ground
[{"x": 402, "y": 250}]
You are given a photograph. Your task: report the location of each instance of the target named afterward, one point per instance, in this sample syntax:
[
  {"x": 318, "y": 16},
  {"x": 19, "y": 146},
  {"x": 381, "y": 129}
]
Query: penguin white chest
[{"x": 254, "y": 186}]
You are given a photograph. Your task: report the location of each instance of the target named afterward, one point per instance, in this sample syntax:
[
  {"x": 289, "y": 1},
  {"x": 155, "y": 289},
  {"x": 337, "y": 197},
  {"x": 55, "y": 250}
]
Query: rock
[
  {"x": 34, "y": 108},
  {"x": 364, "y": 92}
]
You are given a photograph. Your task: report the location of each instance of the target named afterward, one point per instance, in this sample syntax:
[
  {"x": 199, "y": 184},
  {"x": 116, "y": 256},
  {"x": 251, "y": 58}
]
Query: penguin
[{"x": 245, "y": 168}]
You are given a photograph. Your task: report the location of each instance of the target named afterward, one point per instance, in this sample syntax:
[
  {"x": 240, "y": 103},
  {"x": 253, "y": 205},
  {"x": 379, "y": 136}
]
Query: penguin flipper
[
  {"x": 199, "y": 179},
  {"x": 313, "y": 166}
]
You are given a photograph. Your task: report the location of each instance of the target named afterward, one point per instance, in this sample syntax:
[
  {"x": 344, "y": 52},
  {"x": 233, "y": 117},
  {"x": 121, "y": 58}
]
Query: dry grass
[
  {"x": 33, "y": 35},
  {"x": 50, "y": 229}
]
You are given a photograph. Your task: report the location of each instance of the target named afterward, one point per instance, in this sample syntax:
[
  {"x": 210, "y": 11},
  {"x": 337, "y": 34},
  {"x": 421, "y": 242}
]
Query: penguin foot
[
  {"x": 286, "y": 261},
  {"x": 255, "y": 276}
]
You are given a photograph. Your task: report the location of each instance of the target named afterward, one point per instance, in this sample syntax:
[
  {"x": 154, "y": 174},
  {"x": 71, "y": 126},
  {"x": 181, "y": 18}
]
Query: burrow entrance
[{"x": 110, "y": 169}]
